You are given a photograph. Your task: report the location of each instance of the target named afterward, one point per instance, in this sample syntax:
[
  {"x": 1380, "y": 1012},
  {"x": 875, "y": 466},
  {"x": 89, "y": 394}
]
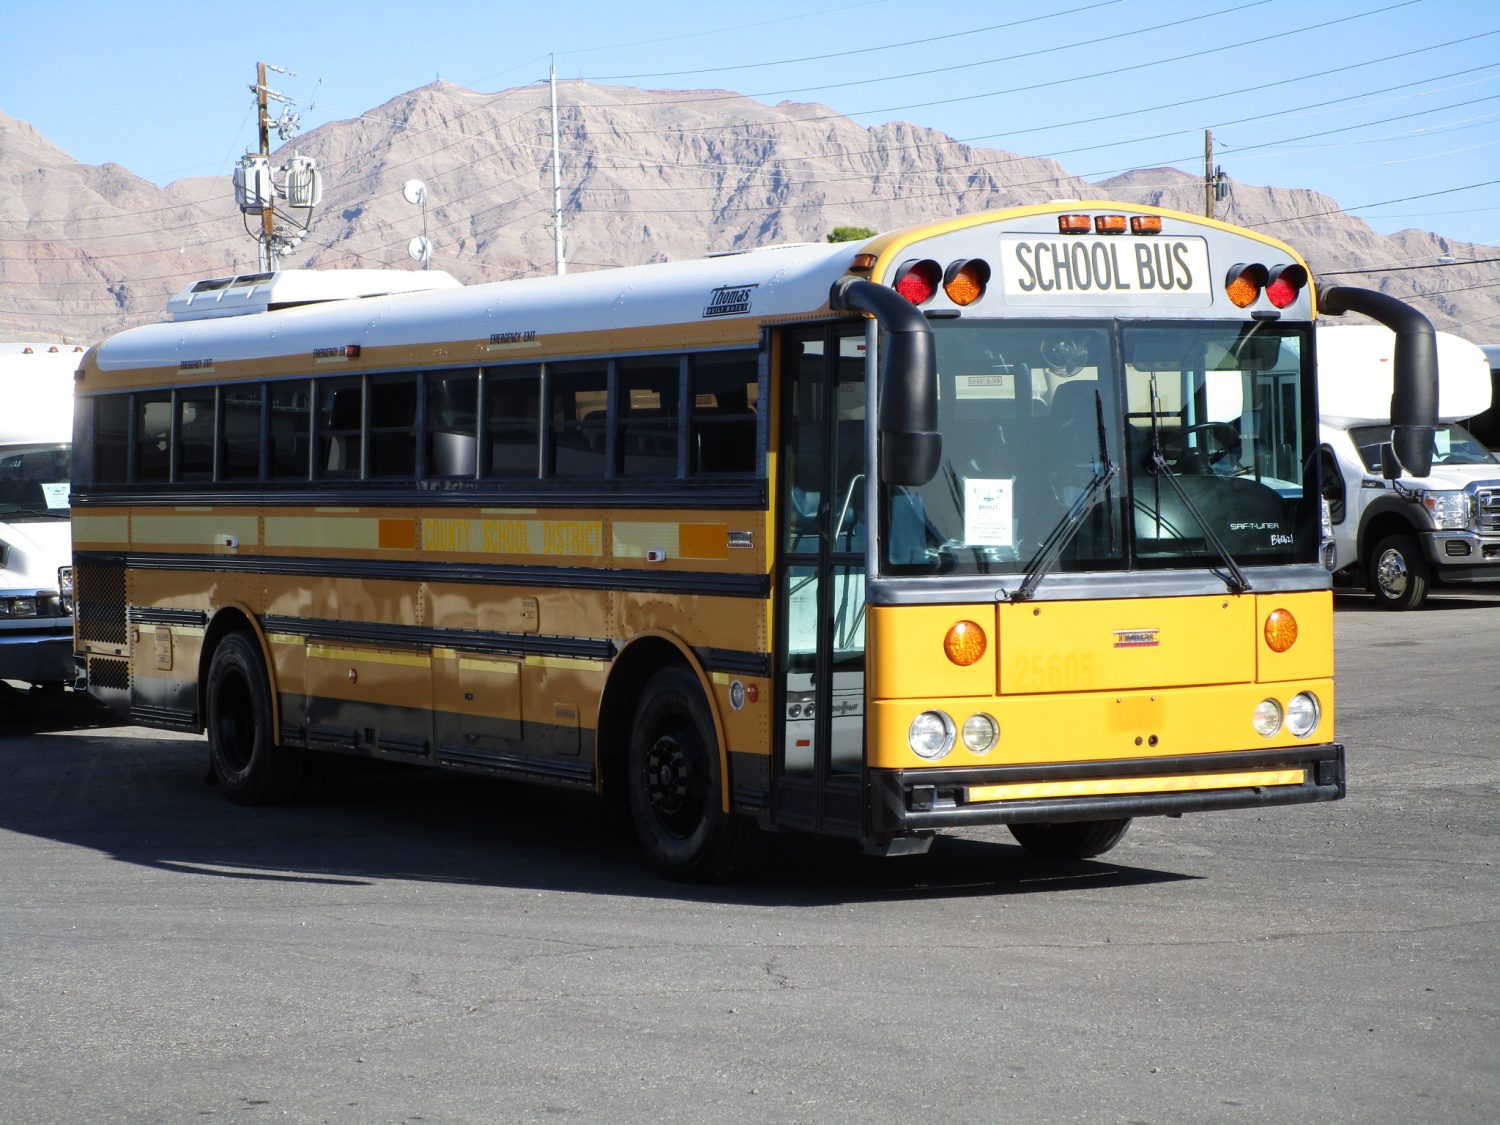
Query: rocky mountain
[{"x": 646, "y": 176}]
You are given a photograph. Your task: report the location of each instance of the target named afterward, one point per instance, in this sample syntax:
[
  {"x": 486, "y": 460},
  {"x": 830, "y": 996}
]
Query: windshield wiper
[
  {"x": 1235, "y": 579},
  {"x": 1061, "y": 535}
]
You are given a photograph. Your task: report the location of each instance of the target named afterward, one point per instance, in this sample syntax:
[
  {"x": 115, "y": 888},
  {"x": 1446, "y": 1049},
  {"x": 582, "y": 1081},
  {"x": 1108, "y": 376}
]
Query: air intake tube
[
  {"x": 911, "y": 448},
  {"x": 1414, "y": 394}
]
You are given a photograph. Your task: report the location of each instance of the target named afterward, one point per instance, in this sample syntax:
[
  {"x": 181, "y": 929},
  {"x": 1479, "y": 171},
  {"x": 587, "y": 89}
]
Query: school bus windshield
[{"x": 1035, "y": 416}]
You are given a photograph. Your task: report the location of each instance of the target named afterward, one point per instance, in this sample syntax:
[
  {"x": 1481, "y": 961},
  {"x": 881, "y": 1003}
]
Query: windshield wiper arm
[
  {"x": 1235, "y": 579},
  {"x": 1061, "y": 535}
]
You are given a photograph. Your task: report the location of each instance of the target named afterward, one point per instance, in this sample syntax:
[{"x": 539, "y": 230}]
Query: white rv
[
  {"x": 1397, "y": 535},
  {"x": 36, "y": 434}
]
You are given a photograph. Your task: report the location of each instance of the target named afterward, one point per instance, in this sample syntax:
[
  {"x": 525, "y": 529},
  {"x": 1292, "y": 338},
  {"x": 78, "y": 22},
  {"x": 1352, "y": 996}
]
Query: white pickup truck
[
  {"x": 36, "y": 435},
  {"x": 1397, "y": 535}
]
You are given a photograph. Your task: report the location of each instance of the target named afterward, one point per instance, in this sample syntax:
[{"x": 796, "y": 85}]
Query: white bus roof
[
  {"x": 778, "y": 281},
  {"x": 36, "y": 380},
  {"x": 263, "y": 292}
]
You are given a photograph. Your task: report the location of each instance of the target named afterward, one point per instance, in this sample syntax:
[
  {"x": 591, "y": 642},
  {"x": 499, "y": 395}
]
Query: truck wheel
[
  {"x": 1073, "y": 839},
  {"x": 1399, "y": 575},
  {"x": 676, "y": 781},
  {"x": 241, "y": 748}
]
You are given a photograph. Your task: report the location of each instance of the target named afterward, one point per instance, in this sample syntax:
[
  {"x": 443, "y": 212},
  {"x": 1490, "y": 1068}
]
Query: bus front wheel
[
  {"x": 1073, "y": 839},
  {"x": 241, "y": 746},
  {"x": 676, "y": 781}
]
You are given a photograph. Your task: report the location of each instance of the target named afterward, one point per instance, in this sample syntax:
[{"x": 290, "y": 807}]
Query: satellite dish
[
  {"x": 419, "y": 249},
  {"x": 414, "y": 191}
]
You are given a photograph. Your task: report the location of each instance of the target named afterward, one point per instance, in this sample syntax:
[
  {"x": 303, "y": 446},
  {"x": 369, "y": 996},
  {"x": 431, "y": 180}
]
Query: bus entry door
[{"x": 821, "y": 579}]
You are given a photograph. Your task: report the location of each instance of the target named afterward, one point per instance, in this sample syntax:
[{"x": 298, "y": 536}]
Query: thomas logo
[
  {"x": 729, "y": 300},
  {"x": 1136, "y": 638}
]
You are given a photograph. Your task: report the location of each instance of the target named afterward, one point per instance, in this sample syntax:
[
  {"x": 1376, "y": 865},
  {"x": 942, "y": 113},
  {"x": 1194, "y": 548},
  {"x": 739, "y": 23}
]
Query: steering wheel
[{"x": 1220, "y": 440}]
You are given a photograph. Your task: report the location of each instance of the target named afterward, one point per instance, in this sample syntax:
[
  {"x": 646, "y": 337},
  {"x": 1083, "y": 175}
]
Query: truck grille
[{"x": 1487, "y": 510}]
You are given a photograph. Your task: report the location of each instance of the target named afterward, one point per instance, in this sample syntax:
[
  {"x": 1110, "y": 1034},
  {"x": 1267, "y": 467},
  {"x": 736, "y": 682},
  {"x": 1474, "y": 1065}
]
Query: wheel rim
[
  {"x": 234, "y": 722},
  {"x": 675, "y": 783},
  {"x": 1390, "y": 574}
]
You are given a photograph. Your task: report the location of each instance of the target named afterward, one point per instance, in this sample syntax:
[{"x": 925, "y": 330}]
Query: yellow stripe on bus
[
  {"x": 369, "y": 656},
  {"x": 1104, "y": 786}
]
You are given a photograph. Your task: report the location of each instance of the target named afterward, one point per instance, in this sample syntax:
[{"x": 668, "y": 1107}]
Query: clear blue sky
[{"x": 1389, "y": 102}]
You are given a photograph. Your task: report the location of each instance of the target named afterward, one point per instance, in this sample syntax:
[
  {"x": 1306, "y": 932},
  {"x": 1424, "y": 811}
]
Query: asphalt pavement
[{"x": 403, "y": 947}]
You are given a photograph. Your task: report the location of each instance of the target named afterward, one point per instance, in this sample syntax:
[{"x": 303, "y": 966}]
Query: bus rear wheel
[
  {"x": 1073, "y": 839},
  {"x": 241, "y": 746},
  {"x": 675, "y": 782}
]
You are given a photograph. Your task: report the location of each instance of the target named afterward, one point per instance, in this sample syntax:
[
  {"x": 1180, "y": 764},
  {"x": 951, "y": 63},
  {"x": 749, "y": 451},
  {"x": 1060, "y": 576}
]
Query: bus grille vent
[
  {"x": 108, "y": 674},
  {"x": 99, "y": 602}
]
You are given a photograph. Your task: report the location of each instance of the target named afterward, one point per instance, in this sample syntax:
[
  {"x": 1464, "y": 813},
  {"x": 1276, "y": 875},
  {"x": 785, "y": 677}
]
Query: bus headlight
[
  {"x": 931, "y": 735},
  {"x": 980, "y": 733},
  {"x": 1302, "y": 713},
  {"x": 1268, "y": 718}
]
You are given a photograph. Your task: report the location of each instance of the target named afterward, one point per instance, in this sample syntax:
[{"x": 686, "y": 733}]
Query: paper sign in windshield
[
  {"x": 56, "y": 495},
  {"x": 989, "y": 513}
]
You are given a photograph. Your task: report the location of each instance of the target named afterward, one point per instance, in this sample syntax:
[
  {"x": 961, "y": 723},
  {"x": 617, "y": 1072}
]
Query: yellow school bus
[{"x": 1006, "y": 519}]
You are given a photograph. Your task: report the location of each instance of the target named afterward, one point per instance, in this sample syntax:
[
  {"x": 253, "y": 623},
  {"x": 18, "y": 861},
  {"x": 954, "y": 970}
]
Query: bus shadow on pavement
[{"x": 147, "y": 801}]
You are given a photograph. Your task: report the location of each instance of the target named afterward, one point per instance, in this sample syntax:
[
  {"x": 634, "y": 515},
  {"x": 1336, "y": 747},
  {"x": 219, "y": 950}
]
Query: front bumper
[
  {"x": 926, "y": 800},
  {"x": 38, "y": 656},
  {"x": 1463, "y": 556}
]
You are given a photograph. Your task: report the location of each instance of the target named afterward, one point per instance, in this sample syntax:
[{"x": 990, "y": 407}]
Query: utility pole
[
  {"x": 1208, "y": 173},
  {"x": 1214, "y": 188},
  {"x": 255, "y": 186},
  {"x": 557, "y": 219},
  {"x": 267, "y": 216}
]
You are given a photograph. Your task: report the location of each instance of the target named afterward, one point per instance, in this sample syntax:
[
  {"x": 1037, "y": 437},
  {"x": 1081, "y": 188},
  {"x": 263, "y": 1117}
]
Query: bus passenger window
[
  {"x": 577, "y": 410},
  {"x": 452, "y": 423},
  {"x": 648, "y": 417},
  {"x": 392, "y": 429},
  {"x": 339, "y": 428},
  {"x": 513, "y": 419},
  {"x": 724, "y": 403},
  {"x": 289, "y": 429},
  {"x": 240, "y": 433},
  {"x": 195, "y": 435},
  {"x": 111, "y": 434},
  {"x": 153, "y": 428}
]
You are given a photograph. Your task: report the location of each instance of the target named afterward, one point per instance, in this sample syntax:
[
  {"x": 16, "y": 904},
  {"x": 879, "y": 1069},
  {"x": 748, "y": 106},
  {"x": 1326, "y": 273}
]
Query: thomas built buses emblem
[
  {"x": 1136, "y": 638},
  {"x": 729, "y": 300}
]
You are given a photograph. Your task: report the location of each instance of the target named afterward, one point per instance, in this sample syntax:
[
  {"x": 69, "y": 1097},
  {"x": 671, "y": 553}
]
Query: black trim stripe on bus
[
  {"x": 172, "y": 618},
  {"x": 702, "y": 583},
  {"x": 421, "y": 636},
  {"x": 711, "y": 493},
  {"x": 729, "y": 661}
]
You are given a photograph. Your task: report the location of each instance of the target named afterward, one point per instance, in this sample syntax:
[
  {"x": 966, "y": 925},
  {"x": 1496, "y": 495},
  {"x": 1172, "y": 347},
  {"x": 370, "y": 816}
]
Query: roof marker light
[
  {"x": 1145, "y": 224},
  {"x": 1109, "y": 224},
  {"x": 1074, "y": 224}
]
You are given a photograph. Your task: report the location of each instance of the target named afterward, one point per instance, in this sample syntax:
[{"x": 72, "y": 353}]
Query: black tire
[
  {"x": 675, "y": 782},
  {"x": 241, "y": 745},
  {"x": 1072, "y": 839},
  {"x": 1399, "y": 574}
]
